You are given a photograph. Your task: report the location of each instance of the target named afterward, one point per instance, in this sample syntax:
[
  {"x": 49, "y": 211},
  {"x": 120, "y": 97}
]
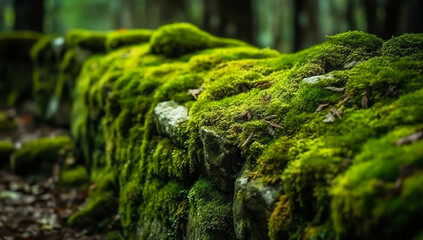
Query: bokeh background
[{"x": 286, "y": 25}]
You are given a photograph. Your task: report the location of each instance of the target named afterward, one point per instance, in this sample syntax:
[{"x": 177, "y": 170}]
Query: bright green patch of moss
[
  {"x": 74, "y": 177},
  {"x": 127, "y": 37},
  {"x": 181, "y": 38},
  {"x": 39, "y": 156},
  {"x": 210, "y": 212}
]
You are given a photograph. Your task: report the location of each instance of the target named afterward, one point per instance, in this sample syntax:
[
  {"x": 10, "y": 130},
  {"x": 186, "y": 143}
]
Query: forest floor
[{"x": 33, "y": 208}]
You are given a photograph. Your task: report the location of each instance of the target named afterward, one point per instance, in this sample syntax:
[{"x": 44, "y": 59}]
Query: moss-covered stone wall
[{"x": 200, "y": 137}]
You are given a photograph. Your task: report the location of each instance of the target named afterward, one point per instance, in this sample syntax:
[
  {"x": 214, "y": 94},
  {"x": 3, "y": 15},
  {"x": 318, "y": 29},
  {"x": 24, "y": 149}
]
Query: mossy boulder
[
  {"x": 39, "y": 156},
  {"x": 122, "y": 38},
  {"x": 74, "y": 176}
]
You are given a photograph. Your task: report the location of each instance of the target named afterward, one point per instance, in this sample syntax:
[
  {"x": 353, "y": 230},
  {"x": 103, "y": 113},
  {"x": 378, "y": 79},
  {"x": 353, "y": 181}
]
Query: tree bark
[{"x": 229, "y": 18}]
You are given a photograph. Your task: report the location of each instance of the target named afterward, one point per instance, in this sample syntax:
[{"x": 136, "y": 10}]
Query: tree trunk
[
  {"x": 392, "y": 17},
  {"x": 229, "y": 18},
  {"x": 29, "y": 15}
]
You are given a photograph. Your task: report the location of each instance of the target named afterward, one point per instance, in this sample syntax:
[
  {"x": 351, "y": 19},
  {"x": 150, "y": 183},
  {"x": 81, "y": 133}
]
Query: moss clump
[
  {"x": 100, "y": 205},
  {"x": 127, "y": 37},
  {"x": 74, "y": 177},
  {"x": 6, "y": 150},
  {"x": 210, "y": 213},
  {"x": 178, "y": 39},
  {"x": 91, "y": 40},
  {"x": 39, "y": 156},
  {"x": 402, "y": 46}
]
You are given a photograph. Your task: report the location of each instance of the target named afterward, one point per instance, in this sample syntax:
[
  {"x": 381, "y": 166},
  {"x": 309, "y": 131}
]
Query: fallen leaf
[
  {"x": 195, "y": 92},
  {"x": 270, "y": 117},
  {"x": 365, "y": 101},
  {"x": 329, "y": 118},
  {"x": 321, "y": 107},
  {"x": 335, "y": 89},
  {"x": 245, "y": 114},
  {"x": 412, "y": 138},
  {"x": 336, "y": 112},
  {"x": 272, "y": 124},
  {"x": 248, "y": 140}
]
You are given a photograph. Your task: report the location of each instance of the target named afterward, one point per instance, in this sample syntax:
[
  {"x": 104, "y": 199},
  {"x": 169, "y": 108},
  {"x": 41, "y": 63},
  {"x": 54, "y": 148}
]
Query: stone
[
  {"x": 169, "y": 117},
  {"x": 222, "y": 159},
  {"x": 253, "y": 204},
  {"x": 316, "y": 79}
]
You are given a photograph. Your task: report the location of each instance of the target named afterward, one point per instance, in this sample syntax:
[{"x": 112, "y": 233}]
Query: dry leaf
[
  {"x": 195, "y": 92},
  {"x": 365, "y": 101},
  {"x": 335, "y": 89},
  {"x": 321, "y": 107},
  {"x": 246, "y": 113},
  {"x": 336, "y": 112},
  {"x": 329, "y": 118},
  {"x": 412, "y": 138},
  {"x": 248, "y": 140},
  {"x": 270, "y": 117},
  {"x": 275, "y": 125},
  {"x": 271, "y": 130}
]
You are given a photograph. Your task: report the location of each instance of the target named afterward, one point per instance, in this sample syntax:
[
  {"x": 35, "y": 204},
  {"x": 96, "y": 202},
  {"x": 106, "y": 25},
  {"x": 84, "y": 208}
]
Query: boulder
[
  {"x": 169, "y": 118},
  {"x": 222, "y": 159}
]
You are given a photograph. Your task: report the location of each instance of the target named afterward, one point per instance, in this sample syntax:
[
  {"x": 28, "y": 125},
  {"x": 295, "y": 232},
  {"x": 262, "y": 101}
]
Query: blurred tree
[
  {"x": 29, "y": 15},
  {"x": 229, "y": 18}
]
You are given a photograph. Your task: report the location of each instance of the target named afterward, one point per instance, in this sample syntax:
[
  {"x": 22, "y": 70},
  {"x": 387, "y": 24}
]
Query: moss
[
  {"x": 127, "y": 37},
  {"x": 100, "y": 205},
  {"x": 181, "y": 38},
  {"x": 402, "y": 46},
  {"x": 281, "y": 219},
  {"x": 74, "y": 177},
  {"x": 91, "y": 40},
  {"x": 39, "y": 156},
  {"x": 6, "y": 150},
  {"x": 211, "y": 212},
  {"x": 304, "y": 136}
]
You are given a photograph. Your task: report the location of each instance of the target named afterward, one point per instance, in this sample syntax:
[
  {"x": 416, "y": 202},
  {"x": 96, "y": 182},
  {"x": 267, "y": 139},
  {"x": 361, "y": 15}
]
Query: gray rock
[
  {"x": 253, "y": 204},
  {"x": 169, "y": 118},
  {"x": 222, "y": 160},
  {"x": 151, "y": 229},
  {"x": 316, "y": 79}
]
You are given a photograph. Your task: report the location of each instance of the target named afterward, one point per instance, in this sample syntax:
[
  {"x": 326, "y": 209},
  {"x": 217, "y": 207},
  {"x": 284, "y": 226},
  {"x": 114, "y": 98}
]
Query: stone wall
[{"x": 201, "y": 137}]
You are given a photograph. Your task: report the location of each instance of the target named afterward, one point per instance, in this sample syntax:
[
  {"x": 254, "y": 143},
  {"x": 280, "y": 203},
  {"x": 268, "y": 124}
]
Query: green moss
[
  {"x": 100, "y": 205},
  {"x": 39, "y": 156},
  {"x": 181, "y": 38},
  {"x": 302, "y": 136},
  {"x": 127, "y": 37},
  {"x": 210, "y": 211},
  {"x": 90, "y": 40},
  {"x": 402, "y": 46},
  {"x": 74, "y": 177},
  {"x": 6, "y": 150}
]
